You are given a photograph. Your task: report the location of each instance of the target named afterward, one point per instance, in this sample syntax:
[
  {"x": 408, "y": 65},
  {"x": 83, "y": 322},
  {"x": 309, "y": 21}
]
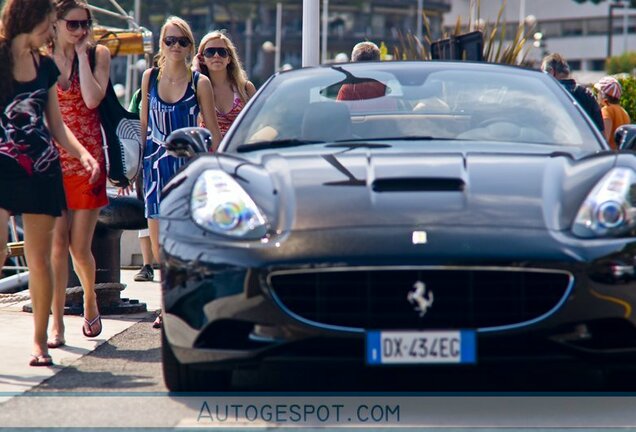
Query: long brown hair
[
  {"x": 62, "y": 8},
  {"x": 235, "y": 71},
  {"x": 17, "y": 17}
]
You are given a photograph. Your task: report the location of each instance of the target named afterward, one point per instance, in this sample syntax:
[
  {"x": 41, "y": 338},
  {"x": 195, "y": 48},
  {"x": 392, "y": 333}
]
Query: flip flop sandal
[
  {"x": 87, "y": 327},
  {"x": 41, "y": 360},
  {"x": 56, "y": 342}
]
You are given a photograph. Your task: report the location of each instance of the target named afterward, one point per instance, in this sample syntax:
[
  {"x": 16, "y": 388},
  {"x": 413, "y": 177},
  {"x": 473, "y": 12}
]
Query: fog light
[{"x": 622, "y": 271}]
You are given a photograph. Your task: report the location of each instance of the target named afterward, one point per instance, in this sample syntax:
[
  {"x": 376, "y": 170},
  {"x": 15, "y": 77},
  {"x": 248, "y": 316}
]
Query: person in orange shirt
[{"x": 614, "y": 116}]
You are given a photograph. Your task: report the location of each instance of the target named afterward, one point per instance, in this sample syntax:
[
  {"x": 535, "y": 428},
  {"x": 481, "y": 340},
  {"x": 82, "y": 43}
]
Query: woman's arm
[
  {"x": 143, "y": 111},
  {"x": 607, "y": 123},
  {"x": 64, "y": 137},
  {"x": 250, "y": 90},
  {"x": 93, "y": 83},
  {"x": 205, "y": 96}
]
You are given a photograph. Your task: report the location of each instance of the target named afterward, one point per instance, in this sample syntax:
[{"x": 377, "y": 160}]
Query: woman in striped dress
[
  {"x": 173, "y": 96},
  {"x": 218, "y": 60}
]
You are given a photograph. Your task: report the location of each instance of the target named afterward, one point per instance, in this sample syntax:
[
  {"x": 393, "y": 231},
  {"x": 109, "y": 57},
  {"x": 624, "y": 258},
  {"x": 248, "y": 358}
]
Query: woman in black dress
[{"x": 30, "y": 173}]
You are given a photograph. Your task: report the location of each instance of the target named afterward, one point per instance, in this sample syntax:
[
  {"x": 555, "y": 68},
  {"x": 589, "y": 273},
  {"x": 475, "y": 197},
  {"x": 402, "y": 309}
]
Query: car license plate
[{"x": 415, "y": 347}]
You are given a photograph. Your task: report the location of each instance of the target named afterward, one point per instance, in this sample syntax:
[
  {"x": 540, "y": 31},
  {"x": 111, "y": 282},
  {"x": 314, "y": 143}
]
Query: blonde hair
[
  {"x": 238, "y": 76},
  {"x": 182, "y": 25}
]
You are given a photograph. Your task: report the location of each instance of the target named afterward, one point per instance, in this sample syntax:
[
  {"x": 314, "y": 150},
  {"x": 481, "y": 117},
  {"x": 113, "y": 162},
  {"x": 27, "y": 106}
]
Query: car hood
[{"x": 541, "y": 191}]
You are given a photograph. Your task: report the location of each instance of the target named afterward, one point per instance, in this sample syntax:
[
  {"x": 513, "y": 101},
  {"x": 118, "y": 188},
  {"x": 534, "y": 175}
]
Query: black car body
[{"x": 469, "y": 212}]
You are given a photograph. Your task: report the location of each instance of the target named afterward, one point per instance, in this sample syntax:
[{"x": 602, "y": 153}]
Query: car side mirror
[
  {"x": 187, "y": 142},
  {"x": 625, "y": 137}
]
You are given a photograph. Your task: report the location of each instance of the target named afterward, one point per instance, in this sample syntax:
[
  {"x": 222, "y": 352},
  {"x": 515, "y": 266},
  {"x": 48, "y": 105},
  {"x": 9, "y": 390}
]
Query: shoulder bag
[{"x": 121, "y": 132}]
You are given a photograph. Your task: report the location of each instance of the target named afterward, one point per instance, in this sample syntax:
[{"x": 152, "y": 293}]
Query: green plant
[
  {"x": 411, "y": 48},
  {"x": 628, "y": 97},
  {"x": 624, "y": 63},
  {"x": 496, "y": 49}
]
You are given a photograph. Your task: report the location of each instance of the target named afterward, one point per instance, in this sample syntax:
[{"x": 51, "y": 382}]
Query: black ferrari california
[{"x": 398, "y": 214}]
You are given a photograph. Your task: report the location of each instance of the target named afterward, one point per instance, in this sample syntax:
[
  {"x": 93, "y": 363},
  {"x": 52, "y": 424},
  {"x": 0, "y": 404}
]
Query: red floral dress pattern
[{"x": 85, "y": 125}]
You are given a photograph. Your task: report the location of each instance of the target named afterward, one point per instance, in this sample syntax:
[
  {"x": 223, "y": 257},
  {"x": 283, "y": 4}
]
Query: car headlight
[
  {"x": 609, "y": 210},
  {"x": 220, "y": 205}
]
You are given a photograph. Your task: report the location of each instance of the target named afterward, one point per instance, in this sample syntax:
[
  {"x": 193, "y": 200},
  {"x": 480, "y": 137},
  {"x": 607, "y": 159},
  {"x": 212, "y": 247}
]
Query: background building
[
  {"x": 578, "y": 31},
  {"x": 252, "y": 25},
  {"x": 348, "y": 22}
]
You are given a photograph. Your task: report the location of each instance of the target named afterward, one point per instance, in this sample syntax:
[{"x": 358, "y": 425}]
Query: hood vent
[{"x": 418, "y": 184}]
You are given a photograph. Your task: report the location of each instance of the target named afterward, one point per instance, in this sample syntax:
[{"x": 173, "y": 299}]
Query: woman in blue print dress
[{"x": 172, "y": 98}]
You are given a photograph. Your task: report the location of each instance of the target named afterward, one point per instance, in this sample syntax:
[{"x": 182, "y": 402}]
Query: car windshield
[{"x": 393, "y": 100}]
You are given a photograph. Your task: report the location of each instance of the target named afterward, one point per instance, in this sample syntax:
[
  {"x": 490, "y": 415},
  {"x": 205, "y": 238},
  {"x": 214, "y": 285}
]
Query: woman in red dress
[{"x": 80, "y": 90}]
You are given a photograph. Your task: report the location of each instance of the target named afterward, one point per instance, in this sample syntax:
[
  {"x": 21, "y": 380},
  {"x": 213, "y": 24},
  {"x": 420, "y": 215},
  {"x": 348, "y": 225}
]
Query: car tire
[{"x": 184, "y": 378}]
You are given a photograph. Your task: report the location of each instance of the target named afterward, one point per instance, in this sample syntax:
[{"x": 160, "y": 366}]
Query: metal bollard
[{"x": 121, "y": 213}]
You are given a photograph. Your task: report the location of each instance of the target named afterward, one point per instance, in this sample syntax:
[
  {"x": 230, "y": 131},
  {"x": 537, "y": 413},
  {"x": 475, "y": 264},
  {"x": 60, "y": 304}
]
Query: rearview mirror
[
  {"x": 625, "y": 137},
  {"x": 187, "y": 142}
]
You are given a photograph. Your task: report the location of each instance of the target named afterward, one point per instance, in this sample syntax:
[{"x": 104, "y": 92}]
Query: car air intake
[
  {"x": 418, "y": 184},
  {"x": 458, "y": 297}
]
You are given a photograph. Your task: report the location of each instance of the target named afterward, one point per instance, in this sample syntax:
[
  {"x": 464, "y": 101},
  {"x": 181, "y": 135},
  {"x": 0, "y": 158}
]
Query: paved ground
[
  {"x": 16, "y": 328},
  {"x": 116, "y": 381}
]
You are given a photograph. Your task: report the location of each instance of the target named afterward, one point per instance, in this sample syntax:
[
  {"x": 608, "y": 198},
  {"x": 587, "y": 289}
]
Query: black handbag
[{"x": 121, "y": 132}]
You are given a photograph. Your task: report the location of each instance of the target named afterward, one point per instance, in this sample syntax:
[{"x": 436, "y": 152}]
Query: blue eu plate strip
[
  {"x": 468, "y": 350},
  {"x": 374, "y": 352}
]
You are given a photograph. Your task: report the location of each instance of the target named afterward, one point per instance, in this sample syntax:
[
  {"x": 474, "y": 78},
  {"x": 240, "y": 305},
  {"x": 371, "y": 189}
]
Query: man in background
[
  {"x": 365, "y": 94},
  {"x": 556, "y": 65},
  {"x": 365, "y": 51}
]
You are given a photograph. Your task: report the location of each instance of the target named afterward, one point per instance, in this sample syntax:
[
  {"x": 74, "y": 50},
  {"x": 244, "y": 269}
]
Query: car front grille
[{"x": 372, "y": 298}]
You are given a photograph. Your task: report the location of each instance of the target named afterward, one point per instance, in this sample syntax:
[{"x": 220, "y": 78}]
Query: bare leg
[
  {"x": 146, "y": 273},
  {"x": 153, "y": 228},
  {"x": 38, "y": 242},
  {"x": 146, "y": 250},
  {"x": 4, "y": 235},
  {"x": 59, "y": 260},
  {"x": 83, "y": 224}
]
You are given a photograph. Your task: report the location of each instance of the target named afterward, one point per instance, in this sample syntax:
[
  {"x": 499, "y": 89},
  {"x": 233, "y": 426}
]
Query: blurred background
[{"x": 588, "y": 33}]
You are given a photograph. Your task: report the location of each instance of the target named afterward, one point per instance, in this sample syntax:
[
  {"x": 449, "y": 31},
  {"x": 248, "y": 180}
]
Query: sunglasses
[
  {"x": 72, "y": 25},
  {"x": 209, "y": 52},
  {"x": 183, "y": 41}
]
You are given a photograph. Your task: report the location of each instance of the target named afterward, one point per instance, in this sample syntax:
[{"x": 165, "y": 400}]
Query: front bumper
[{"x": 220, "y": 309}]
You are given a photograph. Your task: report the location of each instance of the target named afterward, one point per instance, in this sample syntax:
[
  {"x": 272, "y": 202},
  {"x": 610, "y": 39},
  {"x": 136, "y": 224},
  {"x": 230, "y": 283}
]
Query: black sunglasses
[
  {"x": 72, "y": 25},
  {"x": 209, "y": 52},
  {"x": 181, "y": 40}
]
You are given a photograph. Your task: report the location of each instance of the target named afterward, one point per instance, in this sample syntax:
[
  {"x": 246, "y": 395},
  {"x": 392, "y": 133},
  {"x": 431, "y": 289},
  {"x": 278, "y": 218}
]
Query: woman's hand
[
  {"x": 90, "y": 164},
  {"x": 125, "y": 191},
  {"x": 81, "y": 47}
]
